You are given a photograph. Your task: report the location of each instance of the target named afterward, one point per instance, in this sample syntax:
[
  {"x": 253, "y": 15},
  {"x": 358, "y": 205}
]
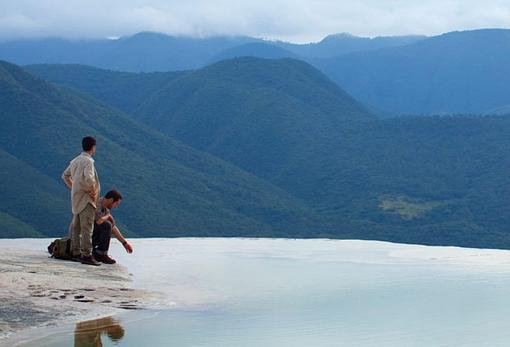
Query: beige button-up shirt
[{"x": 83, "y": 174}]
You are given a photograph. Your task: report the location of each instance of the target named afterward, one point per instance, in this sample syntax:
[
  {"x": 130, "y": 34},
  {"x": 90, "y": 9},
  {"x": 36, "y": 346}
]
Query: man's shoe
[
  {"x": 89, "y": 260},
  {"x": 104, "y": 258}
]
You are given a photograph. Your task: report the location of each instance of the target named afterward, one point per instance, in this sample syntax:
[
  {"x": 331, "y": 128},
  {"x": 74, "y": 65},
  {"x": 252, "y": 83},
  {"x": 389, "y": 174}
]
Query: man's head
[
  {"x": 88, "y": 143},
  {"x": 112, "y": 199}
]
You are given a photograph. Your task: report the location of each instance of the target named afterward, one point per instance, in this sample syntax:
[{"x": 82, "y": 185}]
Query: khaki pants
[{"x": 81, "y": 231}]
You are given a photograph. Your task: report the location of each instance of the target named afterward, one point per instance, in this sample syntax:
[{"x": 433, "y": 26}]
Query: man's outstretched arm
[{"x": 118, "y": 235}]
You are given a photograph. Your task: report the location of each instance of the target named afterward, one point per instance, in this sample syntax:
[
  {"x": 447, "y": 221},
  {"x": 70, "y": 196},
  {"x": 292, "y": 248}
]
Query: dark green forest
[
  {"x": 250, "y": 147},
  {"x": 170, "y": 189}
]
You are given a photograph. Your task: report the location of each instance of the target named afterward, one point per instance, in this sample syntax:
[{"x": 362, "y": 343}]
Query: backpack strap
[{"x": 68, "y": 247}]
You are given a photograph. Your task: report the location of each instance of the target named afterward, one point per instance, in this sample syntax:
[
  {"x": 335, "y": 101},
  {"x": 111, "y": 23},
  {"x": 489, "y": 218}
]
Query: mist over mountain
[
  {"x": 142, "y": 52},
  {"x": 339, "y": 44},
  {"x": 149, "y": 52},
  {"x": 256, "y": 49}
]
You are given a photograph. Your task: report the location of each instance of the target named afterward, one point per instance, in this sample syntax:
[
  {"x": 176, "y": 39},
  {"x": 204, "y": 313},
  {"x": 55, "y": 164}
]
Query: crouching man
[{"x": 105, "y": 227}]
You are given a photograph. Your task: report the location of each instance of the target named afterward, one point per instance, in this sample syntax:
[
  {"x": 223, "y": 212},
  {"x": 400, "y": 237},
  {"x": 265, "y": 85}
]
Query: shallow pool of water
[{"x": 242, "y": 292}]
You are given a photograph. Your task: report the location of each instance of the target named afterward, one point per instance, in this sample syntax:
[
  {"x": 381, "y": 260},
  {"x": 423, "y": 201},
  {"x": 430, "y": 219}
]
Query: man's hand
[
  {"x": 66, "y": 176},
  {"x": 128, "y": 247},
  {"x": 93, "y": 193},
  {"x": 118, "y": 235},
  {"x": 68, "y": 183}
]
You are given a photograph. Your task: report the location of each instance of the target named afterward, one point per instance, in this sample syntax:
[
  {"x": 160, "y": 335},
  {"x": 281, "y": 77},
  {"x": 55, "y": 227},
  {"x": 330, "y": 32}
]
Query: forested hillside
[
  {"x": 169, "y": 188},
  {"x": 458, "y": 72},
  {"x": 433, "y": 180}
]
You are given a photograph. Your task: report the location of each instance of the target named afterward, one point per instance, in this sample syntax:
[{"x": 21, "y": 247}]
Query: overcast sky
[{"x": 290, "y": 20}]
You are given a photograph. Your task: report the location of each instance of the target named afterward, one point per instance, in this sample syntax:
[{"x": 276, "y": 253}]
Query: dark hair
[
  {"x": 113, "y": 194},
  {"x": 87, "y": 143}
]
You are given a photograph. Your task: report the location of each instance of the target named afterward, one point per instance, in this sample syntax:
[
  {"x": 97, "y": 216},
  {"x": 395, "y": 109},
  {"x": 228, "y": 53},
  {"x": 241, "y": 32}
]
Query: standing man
[
  {"x": 81, "y": 177},
  {"x": 105, "y": 227}
]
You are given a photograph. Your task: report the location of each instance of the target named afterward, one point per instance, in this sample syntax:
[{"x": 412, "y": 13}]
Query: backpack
[{"x": 60, "y": 248}]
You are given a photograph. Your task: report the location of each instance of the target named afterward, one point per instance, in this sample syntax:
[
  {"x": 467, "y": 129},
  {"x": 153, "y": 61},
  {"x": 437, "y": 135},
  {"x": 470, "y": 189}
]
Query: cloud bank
[{"x": 296, "y": 21}]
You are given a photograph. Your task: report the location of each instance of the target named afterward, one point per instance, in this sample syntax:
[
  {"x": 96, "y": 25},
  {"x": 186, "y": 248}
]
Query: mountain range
[
  {"x": 453, "y": 73},
  {"x": 458, "y": 72},
  {"x": 156, "y": 52},
  {"x": 324, "y": 164}
]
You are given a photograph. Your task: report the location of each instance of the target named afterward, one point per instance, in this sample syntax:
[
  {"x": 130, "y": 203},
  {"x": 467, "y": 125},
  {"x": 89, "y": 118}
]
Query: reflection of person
[
  {"x": 105, "y": 227},
  {"x": 81, "y": 177},
  {"x": 88, "y": 333}
]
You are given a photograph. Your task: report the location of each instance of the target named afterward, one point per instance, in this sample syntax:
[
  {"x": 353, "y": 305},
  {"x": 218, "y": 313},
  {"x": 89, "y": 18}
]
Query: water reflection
[{"x": 89, "y": 333}]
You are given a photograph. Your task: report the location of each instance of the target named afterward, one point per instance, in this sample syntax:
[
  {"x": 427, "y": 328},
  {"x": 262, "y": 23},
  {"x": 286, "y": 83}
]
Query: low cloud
[{"x": 298, "y": 21}]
